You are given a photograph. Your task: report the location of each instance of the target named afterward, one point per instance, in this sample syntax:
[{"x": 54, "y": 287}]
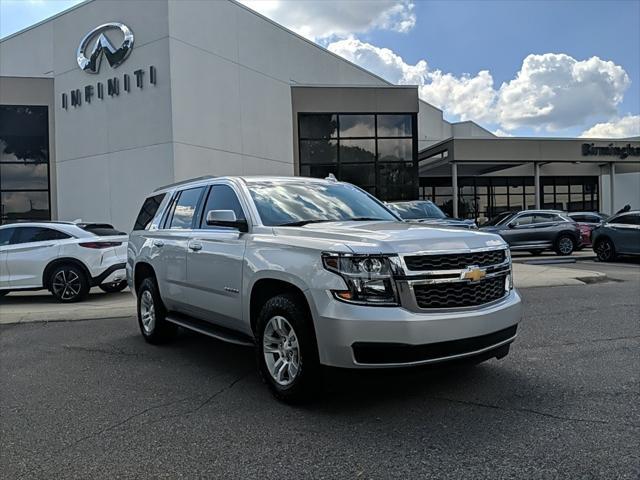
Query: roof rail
[{"x": 184, "y": 182}]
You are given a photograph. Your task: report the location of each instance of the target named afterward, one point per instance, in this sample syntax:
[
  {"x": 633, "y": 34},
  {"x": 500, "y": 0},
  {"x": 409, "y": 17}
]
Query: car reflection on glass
[{"x": 427, "y": 212}]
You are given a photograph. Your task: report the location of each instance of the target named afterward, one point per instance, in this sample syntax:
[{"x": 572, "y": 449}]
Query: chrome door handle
[
  {"x": 158, "y": 243},
  {"x": 195, "y": 246}
]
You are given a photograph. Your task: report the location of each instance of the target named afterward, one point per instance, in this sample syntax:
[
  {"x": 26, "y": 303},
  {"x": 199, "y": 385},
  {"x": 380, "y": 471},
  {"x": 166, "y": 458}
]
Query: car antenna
[{"x": 331, "y": 177}]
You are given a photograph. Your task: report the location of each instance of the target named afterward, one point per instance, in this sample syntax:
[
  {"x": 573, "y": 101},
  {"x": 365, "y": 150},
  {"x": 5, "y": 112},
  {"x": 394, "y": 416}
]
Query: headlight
[{"x": 368, "y": 278}]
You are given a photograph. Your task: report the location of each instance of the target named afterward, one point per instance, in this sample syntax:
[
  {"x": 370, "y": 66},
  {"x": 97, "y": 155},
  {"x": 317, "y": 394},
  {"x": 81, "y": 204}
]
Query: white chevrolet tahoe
[{"x": 316, "y": 273}]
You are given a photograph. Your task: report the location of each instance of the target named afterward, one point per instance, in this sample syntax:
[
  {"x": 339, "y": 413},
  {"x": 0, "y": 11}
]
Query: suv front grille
[
  {"x": 454, "y": 261},
  {"x": 459, "y": 294}
]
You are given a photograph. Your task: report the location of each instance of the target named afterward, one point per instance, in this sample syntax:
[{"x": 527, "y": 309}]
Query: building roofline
[
  {"x": 48, "y": 19},
  {"x": 537, "y": 139},
  {"x": 351, "y": 85}
]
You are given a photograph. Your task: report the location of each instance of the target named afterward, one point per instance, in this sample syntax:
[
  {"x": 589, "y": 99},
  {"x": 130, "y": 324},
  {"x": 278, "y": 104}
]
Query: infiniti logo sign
[{"x": 90, "y": 61}]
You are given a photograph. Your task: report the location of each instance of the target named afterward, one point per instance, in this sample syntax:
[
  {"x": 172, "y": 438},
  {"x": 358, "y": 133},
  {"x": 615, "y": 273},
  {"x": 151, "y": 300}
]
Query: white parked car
[{"x": 62, "y": 257}]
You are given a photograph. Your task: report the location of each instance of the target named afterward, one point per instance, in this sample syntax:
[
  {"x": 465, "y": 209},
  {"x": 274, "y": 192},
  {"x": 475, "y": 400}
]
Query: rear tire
[
  {"x": 68, "y": 284},
  {"x": 565, "y": 245},
  {"x": 113, "y": 287},
  {"x": 286, "y": 350},
  {"x": 152, "y": 314},
  {"x": 605, "y": 250}
]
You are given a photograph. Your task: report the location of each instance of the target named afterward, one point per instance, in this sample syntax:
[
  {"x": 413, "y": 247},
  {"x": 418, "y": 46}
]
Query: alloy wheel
[
  {"x": 565, "y": 245},
  {"x": 604, "y": 250},
  {"x": 66, "y": 284},
  {"x": 147, "y": 312},
  {"x": 281, "y": 351}
]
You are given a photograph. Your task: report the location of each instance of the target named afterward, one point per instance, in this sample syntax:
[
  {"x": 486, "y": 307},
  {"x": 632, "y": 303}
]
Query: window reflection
[
  {"x": 357, "y": 126},
  {"x": 24, "y": 206},
  {"x": 394, "y": 126},
  {"x": 24, "y": 163},
  {"x": 355, "y": 152}
]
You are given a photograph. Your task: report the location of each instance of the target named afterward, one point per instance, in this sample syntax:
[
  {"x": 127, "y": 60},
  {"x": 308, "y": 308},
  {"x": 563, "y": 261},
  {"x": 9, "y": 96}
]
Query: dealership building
[{"x": 108, "y": 100}]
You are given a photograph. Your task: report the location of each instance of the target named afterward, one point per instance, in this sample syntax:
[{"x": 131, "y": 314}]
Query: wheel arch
[
  {"x": 53, "y": 264},
  {"x": 268, "y": 287},
  {"x": 141, "y": 271}
]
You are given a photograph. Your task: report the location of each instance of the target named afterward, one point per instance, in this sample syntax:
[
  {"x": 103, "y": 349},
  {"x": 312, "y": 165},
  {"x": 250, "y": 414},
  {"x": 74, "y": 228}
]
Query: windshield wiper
[
  {"x": 367, "y": 219},
  {"x": 301, "y": 223}
]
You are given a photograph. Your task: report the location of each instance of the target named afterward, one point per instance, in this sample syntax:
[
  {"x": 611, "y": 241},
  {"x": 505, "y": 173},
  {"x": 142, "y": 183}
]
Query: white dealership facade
[{"x": 212, "y": 88}]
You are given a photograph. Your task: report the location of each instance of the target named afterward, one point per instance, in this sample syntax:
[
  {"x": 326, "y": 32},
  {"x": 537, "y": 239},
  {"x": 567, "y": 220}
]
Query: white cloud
[
  {"x": 501, "y": 133},
  {"x": 549, "y": 92},
  {"x": 628, "y": 126},
  {"x": 324, "y": 19},
  {"x": 555, "y": 91}
]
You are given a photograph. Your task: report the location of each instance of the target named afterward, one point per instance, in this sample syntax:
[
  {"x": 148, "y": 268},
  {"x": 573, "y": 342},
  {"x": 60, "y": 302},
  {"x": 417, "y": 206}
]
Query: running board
[{"x": 206, "y": 328}]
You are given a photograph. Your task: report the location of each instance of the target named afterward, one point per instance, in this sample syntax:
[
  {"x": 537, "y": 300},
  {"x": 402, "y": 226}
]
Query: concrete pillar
[
  {"x": 612, "y": 181},
  {"x": 454, "y": 184},
  {"x": 536, "y": 177}
]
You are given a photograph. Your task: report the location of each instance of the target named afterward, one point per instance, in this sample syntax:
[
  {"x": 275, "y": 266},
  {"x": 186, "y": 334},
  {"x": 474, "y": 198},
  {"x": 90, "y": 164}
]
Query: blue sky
[{"x": 473, "y": 58}]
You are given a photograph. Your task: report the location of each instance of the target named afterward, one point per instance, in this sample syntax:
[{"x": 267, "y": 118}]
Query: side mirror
[
  {"x": 226, "y": 218},
  {"x": 511, "y": 225}
]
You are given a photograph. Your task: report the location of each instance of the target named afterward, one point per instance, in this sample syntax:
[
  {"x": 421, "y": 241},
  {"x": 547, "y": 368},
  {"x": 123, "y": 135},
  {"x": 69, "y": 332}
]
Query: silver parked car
[
  {"x": 619, "y": 235},
  {"x": 316, "y": 272}
]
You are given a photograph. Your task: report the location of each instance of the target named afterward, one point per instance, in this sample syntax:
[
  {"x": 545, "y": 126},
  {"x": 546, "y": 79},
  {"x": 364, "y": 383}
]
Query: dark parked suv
[{"x": 536, "y": 231}]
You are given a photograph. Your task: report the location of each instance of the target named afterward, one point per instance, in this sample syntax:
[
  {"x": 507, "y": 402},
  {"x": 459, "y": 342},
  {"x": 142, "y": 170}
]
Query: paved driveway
[{"x": 90, "y": 399}]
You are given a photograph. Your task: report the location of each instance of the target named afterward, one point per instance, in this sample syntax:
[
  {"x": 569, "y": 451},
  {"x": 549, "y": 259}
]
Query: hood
[{"x": 390, "y": 237}]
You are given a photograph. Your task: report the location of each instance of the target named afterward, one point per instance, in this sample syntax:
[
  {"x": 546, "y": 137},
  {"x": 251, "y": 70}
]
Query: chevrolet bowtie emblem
[{"x": 473, "y": 274}]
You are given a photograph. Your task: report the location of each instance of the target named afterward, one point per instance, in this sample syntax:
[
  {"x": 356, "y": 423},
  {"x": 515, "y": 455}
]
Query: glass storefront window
[
  {"x": 359, "y": 174},
  {"x": 395, "y": 150},
  {"x": 25, "y": 205},
  {"x": 357, "y": 151},
  {"x": 359, "y": 148},
  {"x": 318, "y": 151},
  {"x": 24, "y": 176},
  {"x": 394, "y": 126},
  {"x": 318, "y": 126},
  {"x": 24, "y": 163},
  {"x": 357, "y": 125}
]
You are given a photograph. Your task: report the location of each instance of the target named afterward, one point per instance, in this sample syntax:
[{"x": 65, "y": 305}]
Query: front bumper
[{"x": 412, "y": 338}]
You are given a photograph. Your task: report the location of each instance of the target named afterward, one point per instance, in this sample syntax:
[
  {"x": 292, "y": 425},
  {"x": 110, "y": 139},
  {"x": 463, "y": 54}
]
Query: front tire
[
  {"x": 68, "y": 284},
  {"x": 113, "y": 287},
  {"x": 565, "y": 245},
  {"x": 605, "y": 250},
  {"x": 152, "y": 314},
  {"x": 287, "y": 352}
]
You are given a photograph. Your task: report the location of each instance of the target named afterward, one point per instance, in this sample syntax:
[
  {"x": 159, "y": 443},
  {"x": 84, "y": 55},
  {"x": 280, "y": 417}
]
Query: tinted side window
[
  {"x": 627, "y": 220},
  {"x": 37, "y": 234},
  {"x": 581, "y": 218},
  {"x": 185, "y": 208},
  {"x": 221, "y": 197},
  {"x": 148, "y": 211},
  {"x": 5, "y": 236},
  {"x": 523, "y": 220}
]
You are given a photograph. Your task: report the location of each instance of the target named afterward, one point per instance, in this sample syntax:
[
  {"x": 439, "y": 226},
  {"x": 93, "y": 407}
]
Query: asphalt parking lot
[{"x": 91, "y": 399}]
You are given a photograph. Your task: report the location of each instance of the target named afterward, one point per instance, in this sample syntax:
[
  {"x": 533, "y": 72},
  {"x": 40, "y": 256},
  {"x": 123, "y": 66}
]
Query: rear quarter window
[{"x": 148, "y": 212}]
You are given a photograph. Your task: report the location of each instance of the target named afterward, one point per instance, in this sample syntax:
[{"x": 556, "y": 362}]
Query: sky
[{"x": 516, "y": 67}]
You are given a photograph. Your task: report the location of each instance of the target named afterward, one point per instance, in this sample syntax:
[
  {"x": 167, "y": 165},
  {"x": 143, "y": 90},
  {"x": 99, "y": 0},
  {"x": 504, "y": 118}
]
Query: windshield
[
  {"x": 417, "y": 210},
  {"x": 498, "y": 219},
  {"x": 296, "y": 204}
]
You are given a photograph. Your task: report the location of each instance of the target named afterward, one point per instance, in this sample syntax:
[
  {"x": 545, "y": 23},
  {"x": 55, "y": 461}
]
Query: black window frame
[
  {"x": 204, "y": 200},
  {"x": 176, "y": 199},
  {"x": 16, "y": 235},
  {"x": 46, "y": 141},
  {"x": 151, "y": 216},
  {"x": 407, "y": 192}
]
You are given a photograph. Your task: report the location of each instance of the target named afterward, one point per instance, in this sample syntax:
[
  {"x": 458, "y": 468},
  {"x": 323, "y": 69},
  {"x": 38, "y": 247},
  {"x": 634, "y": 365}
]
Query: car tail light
[{"x": 100, "y": 245}]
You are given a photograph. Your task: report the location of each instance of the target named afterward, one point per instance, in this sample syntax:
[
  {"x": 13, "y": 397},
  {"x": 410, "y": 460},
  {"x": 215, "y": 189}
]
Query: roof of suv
[{"x": 246, "y": 179}]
